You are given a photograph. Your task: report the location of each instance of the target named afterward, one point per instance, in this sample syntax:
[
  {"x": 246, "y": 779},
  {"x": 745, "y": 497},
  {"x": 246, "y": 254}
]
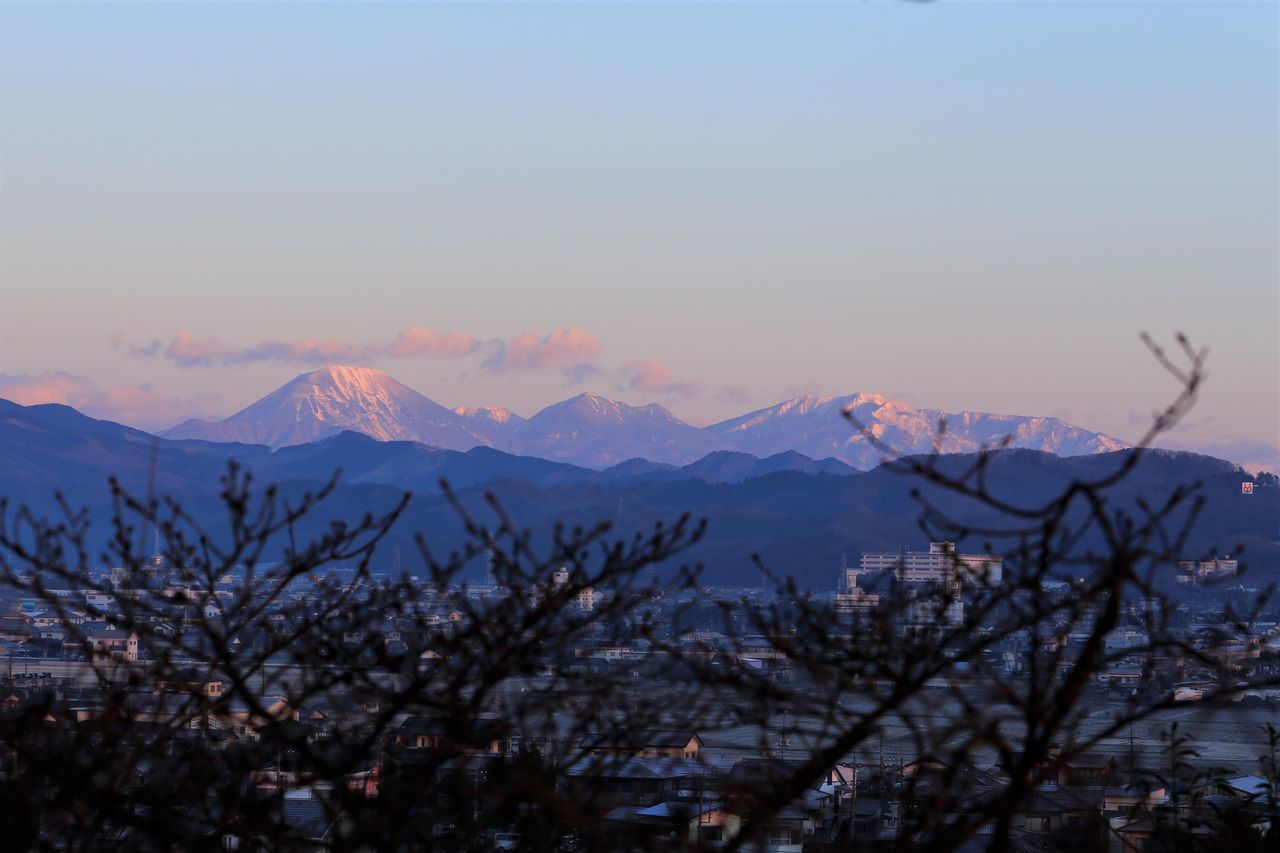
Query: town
[{"x": 653, "y": 715}]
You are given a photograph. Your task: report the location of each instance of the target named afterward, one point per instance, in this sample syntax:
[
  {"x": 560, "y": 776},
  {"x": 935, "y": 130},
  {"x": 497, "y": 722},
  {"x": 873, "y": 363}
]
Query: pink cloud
[
  {"x": 28, "y": 390},
  {"x": 563, "y": 349},
  {"x": 137, "y": 405},
  {"x": 655, "y": 377},
  {"x": 305, "y": 351},
  {"x": 651, "y": 375},
  {"x": 421, "y": 341},
  {"x": 187, "y": 350},
  {"x": 571, "y": 350}
]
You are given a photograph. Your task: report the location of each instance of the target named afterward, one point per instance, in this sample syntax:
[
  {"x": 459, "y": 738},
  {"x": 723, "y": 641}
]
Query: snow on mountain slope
[
  {"x": 815, "y": 426},
  {"x": 496, "y": 414},
  {"x": 595, "y": 431},
  {"x": 324, "y": 402}
]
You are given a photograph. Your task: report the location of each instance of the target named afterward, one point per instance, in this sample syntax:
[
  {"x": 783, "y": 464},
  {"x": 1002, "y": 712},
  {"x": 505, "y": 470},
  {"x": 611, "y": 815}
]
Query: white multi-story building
[{"x": 940, "y": 564}]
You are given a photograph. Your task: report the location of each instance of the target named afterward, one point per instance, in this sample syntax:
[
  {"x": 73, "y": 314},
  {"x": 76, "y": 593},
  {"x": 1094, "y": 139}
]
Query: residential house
[{"x": 112, "y": 644}]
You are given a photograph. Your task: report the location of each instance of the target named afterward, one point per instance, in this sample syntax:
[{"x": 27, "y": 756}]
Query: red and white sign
[{"x": 1246, "y": 488}]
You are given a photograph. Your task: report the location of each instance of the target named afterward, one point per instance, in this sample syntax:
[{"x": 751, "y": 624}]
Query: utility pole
[
  {"x": 897, "y": 799},
  {"x": 853, "y": 808},
  {"x": 1133, "y": 766}
]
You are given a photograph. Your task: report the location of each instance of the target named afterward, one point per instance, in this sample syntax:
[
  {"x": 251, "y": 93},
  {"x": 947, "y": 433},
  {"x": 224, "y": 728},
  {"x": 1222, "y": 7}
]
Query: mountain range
[
  {"x": 50, "y": 446},
  {"x": 799, "y": 514},
  {"x": 596, "y": 432}
]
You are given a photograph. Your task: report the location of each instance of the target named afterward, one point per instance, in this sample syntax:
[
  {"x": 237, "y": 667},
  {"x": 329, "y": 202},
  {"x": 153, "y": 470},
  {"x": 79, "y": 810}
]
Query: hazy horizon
[{"x": 708, "y": 206}]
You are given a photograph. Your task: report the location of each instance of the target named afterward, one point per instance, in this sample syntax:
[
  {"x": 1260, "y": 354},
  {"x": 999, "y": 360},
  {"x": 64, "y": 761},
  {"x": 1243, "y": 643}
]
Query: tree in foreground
[{"x": 261, "y": 689}]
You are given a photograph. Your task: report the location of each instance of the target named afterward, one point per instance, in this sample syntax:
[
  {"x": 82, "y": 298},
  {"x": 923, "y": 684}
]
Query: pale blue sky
[{"x": 964, "y": 205}]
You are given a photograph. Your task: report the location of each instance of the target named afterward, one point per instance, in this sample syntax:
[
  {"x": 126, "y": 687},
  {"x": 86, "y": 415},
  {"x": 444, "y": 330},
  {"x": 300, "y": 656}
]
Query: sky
[{"x": 711, "y": 206}]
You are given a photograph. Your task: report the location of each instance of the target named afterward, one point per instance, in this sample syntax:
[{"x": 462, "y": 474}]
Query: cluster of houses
[
  {"x": 669, "y": 787},
  {"x": 675, "y": 789}
]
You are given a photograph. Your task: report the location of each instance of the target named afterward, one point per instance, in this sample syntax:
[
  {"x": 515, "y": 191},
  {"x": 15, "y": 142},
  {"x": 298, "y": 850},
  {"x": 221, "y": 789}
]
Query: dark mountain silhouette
[{"x": 800, "y": 520}]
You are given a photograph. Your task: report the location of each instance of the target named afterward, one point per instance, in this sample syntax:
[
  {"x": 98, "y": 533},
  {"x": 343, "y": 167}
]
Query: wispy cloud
[
  {"x": 580, "y": 374},
  {"x": 137, "y": 405},
  {"x": 124, "y": 343},
  {"x": 570, "y": 349},
  {"x": 188, "y": 350},
  {"x": 573, "y": 352},
  {"x": 735, "y": 394},
  {"x": 654, "y": 377},
  {"x": 419, "y": 341},
  {"x": 567, "y": 349},
  {"x": 649, "y": 375}
]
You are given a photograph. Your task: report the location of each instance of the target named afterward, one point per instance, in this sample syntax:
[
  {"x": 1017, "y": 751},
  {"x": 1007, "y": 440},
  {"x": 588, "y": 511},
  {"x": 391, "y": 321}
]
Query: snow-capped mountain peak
[
  {"x": 592, "y": 430},
  {"x": 595, "y": 430},
  {"x": 326, "y": 401},
  {"x": 815, "y": 426}
]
